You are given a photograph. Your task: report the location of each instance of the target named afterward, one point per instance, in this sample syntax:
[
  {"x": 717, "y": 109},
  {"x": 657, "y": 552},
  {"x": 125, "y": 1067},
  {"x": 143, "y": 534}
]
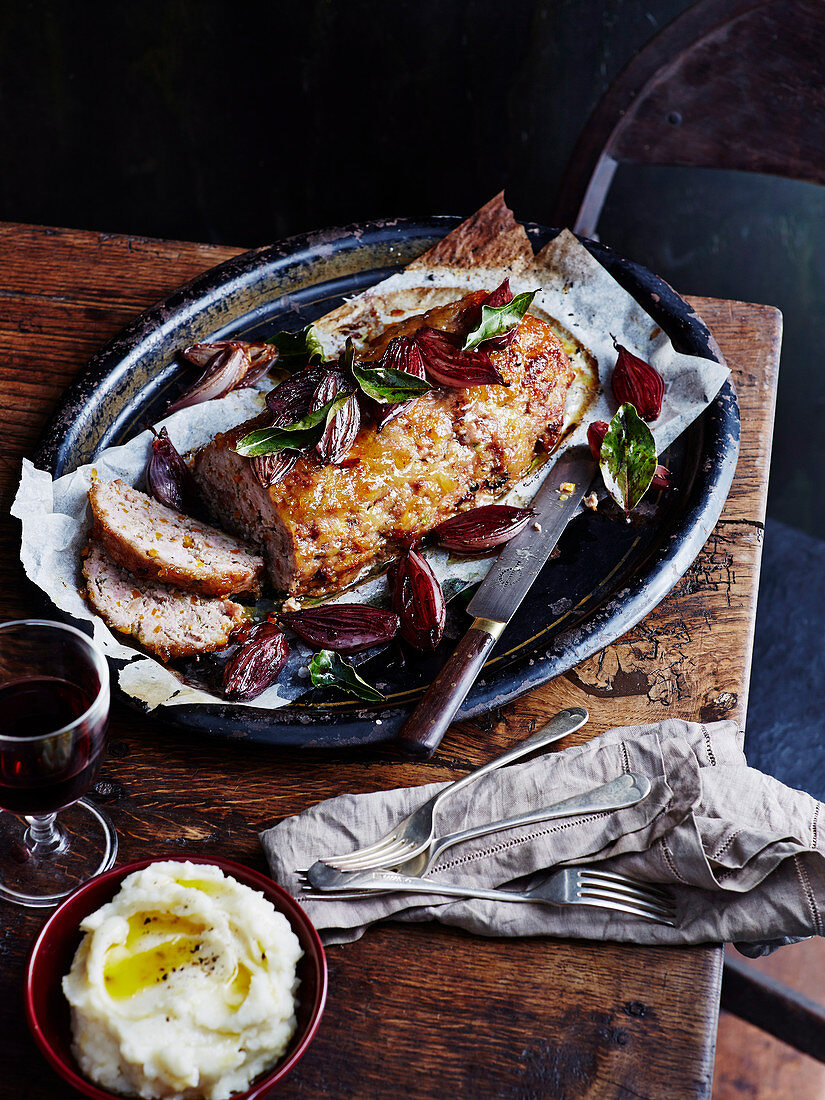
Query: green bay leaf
[
  {"x": 498, "y": 320},
  {"x": 297, "y": 349},
  {"x": 628, "y": 458},
  {"x": 293, "y": 437},
  {"x": 269, "y": 441},
  {"x": 388, "y": 386},
  {"x": 328, "y": 669}
]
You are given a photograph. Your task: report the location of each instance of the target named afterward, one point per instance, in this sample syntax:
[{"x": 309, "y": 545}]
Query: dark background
[{"x": 243, "y": 123}]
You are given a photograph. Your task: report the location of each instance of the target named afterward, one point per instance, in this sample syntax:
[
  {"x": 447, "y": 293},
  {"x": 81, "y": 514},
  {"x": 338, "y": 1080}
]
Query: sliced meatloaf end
[
  {"x": 166, "y": 621},
  {"x": 158, "y": 543},
  {"x": 452, "y": 449},
  {"x": 230, "y": 491}
]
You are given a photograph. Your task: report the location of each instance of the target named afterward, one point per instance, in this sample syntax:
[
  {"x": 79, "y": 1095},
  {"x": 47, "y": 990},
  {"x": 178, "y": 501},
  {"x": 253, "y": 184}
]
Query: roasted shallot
[
  {"x": 168, "y": 478},
  {"x": 342, "y": 426},
  {"x": 636, "y": 383},
  {"x": 595, "y": 437},
  {"x": 401, "y": 354},
  {"x": 419, "y": 601},
  {"x": 227, "y": 366},
  {"x": 500, "y": 297},
  {"x": 257, "y": 664},
  {"x": 482, "y": 528},
  {"x": 270, "y": 469},
  {"x": 343, "y": 627},
  {"x": 446, "y": 364},
  {"x": 292, "y": 399}
]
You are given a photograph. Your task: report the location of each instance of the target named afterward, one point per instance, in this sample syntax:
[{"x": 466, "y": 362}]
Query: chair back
[{"x": 736, "y": 84}]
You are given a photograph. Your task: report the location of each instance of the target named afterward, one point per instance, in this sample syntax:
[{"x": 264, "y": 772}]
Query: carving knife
[{"x": 498, "y": 598}]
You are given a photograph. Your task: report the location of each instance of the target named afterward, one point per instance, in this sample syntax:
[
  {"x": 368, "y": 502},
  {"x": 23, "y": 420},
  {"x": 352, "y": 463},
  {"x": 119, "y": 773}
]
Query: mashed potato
[{"x": 183, "y": 986}]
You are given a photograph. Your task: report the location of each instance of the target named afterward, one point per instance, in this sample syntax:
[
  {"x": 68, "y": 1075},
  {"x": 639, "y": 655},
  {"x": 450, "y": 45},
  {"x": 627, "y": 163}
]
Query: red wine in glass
[
  {"x": 54, "y": 712},
  {"x": 41, "y": 774}
]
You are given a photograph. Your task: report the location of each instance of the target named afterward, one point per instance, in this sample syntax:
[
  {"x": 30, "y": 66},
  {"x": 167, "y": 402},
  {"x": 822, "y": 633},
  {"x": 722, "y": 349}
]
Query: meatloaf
[
  {"x": 156, "y": 542},
  {"x": 166, "y": 621},
  {"x": 450, "y": 449}
]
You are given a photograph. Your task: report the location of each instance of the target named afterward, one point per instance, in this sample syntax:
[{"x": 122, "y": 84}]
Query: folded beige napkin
[{"x": 741, "y": 851}]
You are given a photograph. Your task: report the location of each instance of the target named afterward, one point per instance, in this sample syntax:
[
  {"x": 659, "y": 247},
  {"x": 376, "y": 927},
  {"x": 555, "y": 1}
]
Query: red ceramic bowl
[{"x": 51, "y": 957}]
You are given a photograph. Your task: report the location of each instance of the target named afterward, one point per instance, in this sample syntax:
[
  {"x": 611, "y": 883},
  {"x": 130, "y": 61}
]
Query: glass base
[{"x": 87, "y": 847}]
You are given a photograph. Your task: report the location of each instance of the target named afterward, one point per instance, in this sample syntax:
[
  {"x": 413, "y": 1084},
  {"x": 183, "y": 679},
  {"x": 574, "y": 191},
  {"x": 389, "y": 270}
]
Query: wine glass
[{"x": 54, "y": 715}]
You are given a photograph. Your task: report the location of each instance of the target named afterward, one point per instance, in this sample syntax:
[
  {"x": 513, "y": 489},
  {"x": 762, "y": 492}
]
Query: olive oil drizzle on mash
[{"x": 184, "y": 985}]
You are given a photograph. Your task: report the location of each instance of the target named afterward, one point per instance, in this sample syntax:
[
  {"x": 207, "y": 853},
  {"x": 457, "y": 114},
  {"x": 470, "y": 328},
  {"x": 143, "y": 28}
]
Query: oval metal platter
[{"x": 608, "y": 575}]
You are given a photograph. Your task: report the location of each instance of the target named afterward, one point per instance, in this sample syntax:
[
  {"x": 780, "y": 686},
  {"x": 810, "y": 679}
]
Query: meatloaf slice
[
  {"x": 451, "y": 449},
  {"x": 156, "y": 542},
  {"x": 166, "y": 621}
]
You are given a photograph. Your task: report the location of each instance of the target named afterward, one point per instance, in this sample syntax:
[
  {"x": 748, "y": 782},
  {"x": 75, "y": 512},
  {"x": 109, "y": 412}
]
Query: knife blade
[{"x": 498, "y": 598}]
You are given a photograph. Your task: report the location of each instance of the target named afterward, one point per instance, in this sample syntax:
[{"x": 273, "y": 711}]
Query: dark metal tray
[{"x": 608, "y": 576}]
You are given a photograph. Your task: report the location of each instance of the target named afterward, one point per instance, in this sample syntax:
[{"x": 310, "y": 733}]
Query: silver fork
[
  {"x": 618, "y": 794},
  {"x": 569, "y": 886},
  {"x": 415, "y": 832}
]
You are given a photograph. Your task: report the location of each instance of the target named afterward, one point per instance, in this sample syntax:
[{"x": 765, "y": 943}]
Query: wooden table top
[{"x": 421, "y": 1010}]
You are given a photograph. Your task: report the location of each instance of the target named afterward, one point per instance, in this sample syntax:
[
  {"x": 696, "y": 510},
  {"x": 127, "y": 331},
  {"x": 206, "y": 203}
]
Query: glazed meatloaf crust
[
  {"x": 158, "y": 543},
  {"x": 166, "y": 621},
  {"x": 448, "y": 450}
]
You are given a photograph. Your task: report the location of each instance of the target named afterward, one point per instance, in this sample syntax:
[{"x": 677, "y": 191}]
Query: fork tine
[
  {"x": 622, "y": 880},
  {"x": 394, "y": 853},
  {"x": 388, "y": 847},
  {"x": 392, "y": 837},
  {"x": 310, "y": 892},
  {"x": 634, "y": 897},
  {"x": 646, "y": 907},
  {"x": 369, "y": 850},
  {"x": 632, "y": 910},
  {"x": 627, "y": 888}
]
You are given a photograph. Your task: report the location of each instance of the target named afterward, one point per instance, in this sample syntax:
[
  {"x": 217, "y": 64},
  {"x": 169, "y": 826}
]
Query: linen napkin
[{"x": 742, "y": 852}]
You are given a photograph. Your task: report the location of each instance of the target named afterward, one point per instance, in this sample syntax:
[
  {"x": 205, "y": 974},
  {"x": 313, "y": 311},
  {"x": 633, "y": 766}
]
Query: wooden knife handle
[{"x": 421, "y": 734}]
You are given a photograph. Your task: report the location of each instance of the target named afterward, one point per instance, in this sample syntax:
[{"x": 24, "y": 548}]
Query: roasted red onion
[
  {"x": 661, "y": 478},
  {"x": 482, "y": 528},
  {"x": 223, "y": 373},
  {"x": 343, "y": 627},
  {"x": 200, "y": 355},
  {"x": 292, "y": 399},
  {"x": 339, "y": 434},
  {"x": 446, "y": 364},
  {"x": 270, "y": 469},
  {"x": 498, "y": 297},
  {"x": 635, "y": 382},
  {"x": 257, "y": 664},
  {"x": 419, "y": 601},
  {"x": 403, "y": 354},
  {"x": 168, "y": 478},
  {"x": 595, "y": 437}
]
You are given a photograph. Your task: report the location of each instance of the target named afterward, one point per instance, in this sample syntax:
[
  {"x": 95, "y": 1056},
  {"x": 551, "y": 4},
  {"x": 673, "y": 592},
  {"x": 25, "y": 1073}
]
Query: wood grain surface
[{"x": 424, "y": 1011}]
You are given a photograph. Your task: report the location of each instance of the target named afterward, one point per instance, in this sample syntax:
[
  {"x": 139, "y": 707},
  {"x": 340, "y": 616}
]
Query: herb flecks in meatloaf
[
  {"x": 166, "y": 621},
  {"x": 158, "y": 543},
  {"x": 450, "y": 449}
]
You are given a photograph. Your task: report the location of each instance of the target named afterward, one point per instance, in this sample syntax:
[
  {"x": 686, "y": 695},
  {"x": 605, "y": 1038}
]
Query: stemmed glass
[{"x": 54, "y": 716}]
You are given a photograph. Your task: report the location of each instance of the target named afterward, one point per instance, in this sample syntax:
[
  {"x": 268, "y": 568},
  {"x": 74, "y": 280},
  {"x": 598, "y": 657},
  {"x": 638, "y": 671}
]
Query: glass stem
[{"x": 43, "y": 838}]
